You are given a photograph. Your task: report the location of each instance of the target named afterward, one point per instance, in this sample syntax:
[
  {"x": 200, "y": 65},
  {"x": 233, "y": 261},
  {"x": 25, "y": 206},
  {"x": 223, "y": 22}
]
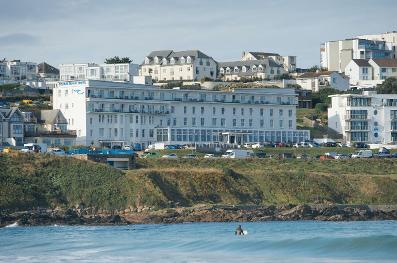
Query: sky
[{"x": 80, "y": 31}]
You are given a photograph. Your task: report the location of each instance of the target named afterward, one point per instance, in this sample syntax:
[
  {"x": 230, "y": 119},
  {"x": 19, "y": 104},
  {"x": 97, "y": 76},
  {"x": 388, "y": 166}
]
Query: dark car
[
  {"x": 260, "y": 154},
  {"x": 361, "y": 145},
  {"x": 330, "y": 144}
]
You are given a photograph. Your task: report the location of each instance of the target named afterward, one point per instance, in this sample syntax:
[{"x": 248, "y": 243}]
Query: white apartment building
[
  {"x": 287, "y": 62},
  {"x": 388, "y": 37},
  {"x": 168, "y": 65},
  {"x": 17, "y": 71},
  {"x": 369, "y": 73},
  {"x": 109, "y": 72},
  {"x": 111, "y": 113},
  {"x": 316, "y": 81},
  {"x": 250, "y": 69},
  {"x": 335, "y": 55},
  {"x": 370, "y": 117}
]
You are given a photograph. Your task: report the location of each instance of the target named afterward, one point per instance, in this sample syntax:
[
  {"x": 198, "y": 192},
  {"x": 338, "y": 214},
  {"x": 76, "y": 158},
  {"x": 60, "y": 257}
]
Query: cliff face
[{"x": 32, "y": 181}]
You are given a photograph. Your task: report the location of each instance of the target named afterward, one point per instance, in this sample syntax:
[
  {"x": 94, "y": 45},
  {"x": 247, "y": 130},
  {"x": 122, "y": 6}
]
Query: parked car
[
  {"x": 247, "y": 145},
  {"x": 190, "y": 156},
  {"x": 150, "y": 155},
  {"x": 363, "y": 154},
  {"x": 56, "y": 151},
  {"x": 257, "y": 145},
  {"x": 383, "y": 153},
  {"x": 170, "y": 156},
  {"x": 209, "y": 155},
  {"x": 341, "y": 156},
  {"x": 360, "y": 145},
  {"x": 329, "y": 144},
  {"x": 235, "y": 153},
  {"x": 260, "y": 154}
]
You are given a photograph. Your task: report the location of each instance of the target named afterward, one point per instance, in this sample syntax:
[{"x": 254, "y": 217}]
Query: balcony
[
  {"x": 55, "y": 133},
  {"x": 356, "y": 117}
]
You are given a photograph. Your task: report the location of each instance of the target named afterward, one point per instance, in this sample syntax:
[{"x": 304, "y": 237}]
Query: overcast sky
[{"x": 73, "y": 31}]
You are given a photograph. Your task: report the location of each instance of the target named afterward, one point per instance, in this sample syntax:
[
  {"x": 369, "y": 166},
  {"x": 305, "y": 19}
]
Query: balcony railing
[{"x": 69, "y": 133}]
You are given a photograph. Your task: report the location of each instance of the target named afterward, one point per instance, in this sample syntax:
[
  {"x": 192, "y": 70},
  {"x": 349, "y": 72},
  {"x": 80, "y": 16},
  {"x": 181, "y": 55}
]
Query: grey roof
[
  {"x": 362, "y": 62},
  {"x": 262, "y": 55},
  {"x": 8, "y": 112},
  {"x": 52, "y": 117},
  {"x": 160, "y": 53},
  {"x": 176, "y": 54},
  {"x": 249, "y": 63},
  {"x": 47, "y": 68}
]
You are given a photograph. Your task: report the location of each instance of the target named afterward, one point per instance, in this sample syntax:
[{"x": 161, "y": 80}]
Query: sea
[{"x": 293, "y": 241}]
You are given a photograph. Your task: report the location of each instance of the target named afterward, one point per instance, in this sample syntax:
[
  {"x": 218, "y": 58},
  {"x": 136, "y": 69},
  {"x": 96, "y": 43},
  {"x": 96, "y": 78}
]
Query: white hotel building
[
  {"x": 369, "y": 117},
  {"x": 110, "y": 113}
]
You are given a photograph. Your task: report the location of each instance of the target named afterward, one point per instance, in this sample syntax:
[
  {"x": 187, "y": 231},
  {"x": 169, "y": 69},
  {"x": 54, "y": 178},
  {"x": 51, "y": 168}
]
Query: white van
[
  {"x": 34, "y": 148},
  {"x": 363, "y": 154},
  {"x": 238, "y": 154}
]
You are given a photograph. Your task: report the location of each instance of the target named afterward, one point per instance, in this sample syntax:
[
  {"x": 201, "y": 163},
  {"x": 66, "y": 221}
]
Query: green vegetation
[
  {"x": 389, "y": 86},
  {"x": 29, "y": 180},
  {"x": 117, "y": 60}
]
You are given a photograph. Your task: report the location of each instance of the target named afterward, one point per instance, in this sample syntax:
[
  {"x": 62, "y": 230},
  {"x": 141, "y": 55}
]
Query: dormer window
[
  {"x": 164, "y": 61},
  {"x": 227, "y": 70},
  {"x": 188, "y": 60},
  {"x": 254, "y": 68},
  {"x": 147, "y": 60},
  {"x": 156, "y": 60},
  {"x": 244, "y": 69},
  {"x": 222, "y": 70},
  {"x": 183, "y": 60},
  {"x": 260, "y": 68},
  {"x": 172, "y": 61},
  {"x": 236, "y": 70}
]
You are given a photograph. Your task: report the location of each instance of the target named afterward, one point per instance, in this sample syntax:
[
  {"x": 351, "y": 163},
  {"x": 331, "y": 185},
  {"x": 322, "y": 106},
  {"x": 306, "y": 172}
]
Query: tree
[
  {"x": 316, "y": 68},
  {"x": 389, "y": 86},
  {"x": 117, "y": 60},
  {"x": 283, "y": 76},
  {"x": 322, "y": 96}
]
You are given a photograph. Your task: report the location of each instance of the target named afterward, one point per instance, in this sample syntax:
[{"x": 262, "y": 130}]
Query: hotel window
[
  {"x": 202, "y": 121},
  {"x": 202, "y": 110},
  {"x": 234, "y": 122},
  {"x": 213, "y": 110},
  {"x": 271, "y": 124},
  {"x": 261, "y": 112},
  {"x": 271, "y": 112},
  {"x": 281, "y": 123},
  {"x": 143, "y": 133},
  {"x": 174, "y": 122},
  {"x": 289, "y": 113},
  {"x": 251, "y": 111},
  {"x": 384, "y": 70},
  {"x": 250, "y": 122},
  {"x": 290, "y": 124},
  {"x": 131, "y": 133},
  {"x": 223, "y": 122},
  {"x": 193, "y": 121},
  {"x": 242, "y": 111},
  {"x": 262, "y": 122},
  {"x": 115, "y": 132},
  {"x": 194, "y": 110},
  {"x": 223, "y": 110},
  {"x": 242, "y": 122},
  {"x": 234, "y": 111},
  {"x": 185, "y": 121},
  {"x": 184, "y": 109},
  {"x": 280, "y": 112},
  {"x": 213, "y": 121},
  {"x": 172, "y": 109}
]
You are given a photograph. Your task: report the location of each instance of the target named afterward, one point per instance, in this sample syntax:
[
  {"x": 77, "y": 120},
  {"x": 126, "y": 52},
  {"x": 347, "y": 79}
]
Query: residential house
[
  {"x": 315, "y": 81},
  {"x": 49, "y": 127},
  {"x": 11, "y": 127},
  {"x": 287, "y": 62},
  {"x": 15, "y": 71},
  {"x": 169, "y": 65}
]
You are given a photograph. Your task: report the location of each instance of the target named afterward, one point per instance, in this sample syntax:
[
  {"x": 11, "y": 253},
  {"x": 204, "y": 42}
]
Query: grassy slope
[{"x": 28, "y": 181}]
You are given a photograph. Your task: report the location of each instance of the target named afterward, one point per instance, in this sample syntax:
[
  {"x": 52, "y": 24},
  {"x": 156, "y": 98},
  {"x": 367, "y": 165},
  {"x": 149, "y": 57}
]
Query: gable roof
[
  {"x": 243, "y": 63},
  {"x": 262, "y": 55},
  {"x": 8, "y": 112},
  {"x": 385, "y": 62},
  {"x": 159, "y": 53},
  {"x": 316, "y": 74},
  {"x": 47, "y": 68},
  {"x": 168, "y": 54},
  {"x": 362, "y": 62},
  {"x": 52, "y": 117}
]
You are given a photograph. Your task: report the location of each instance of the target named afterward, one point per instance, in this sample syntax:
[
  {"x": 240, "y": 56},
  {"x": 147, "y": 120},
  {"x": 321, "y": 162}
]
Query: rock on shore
[{"x": 203, "y": 213}]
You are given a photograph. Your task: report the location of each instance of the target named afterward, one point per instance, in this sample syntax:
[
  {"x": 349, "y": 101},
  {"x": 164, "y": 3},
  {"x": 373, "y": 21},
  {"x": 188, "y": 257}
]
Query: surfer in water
[{"x": 239, "y": 231}]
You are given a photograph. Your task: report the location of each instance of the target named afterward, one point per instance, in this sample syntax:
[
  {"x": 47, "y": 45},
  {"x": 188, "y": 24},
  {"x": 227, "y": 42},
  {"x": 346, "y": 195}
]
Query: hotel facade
[
  {"x": 110, "y": 113},
  {"x": 370, "y": 117}
]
